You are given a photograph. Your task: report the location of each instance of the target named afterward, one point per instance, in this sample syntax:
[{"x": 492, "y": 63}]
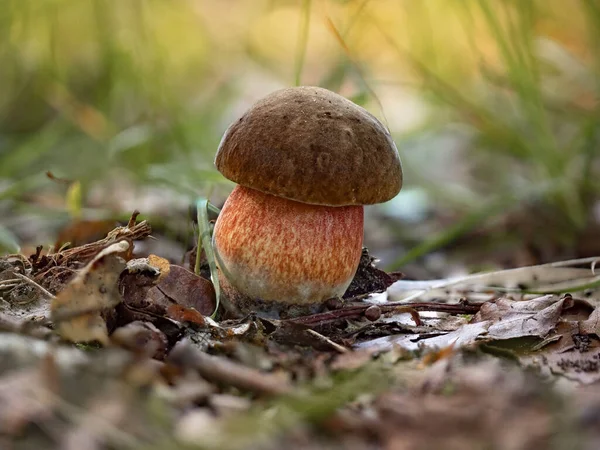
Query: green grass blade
[{"x": 204, "y": 241}]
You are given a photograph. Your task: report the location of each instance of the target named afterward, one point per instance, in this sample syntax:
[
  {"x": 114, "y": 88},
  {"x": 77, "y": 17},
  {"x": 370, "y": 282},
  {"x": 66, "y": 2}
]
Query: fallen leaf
[
  {"x": 368, "y": 278},
  {"x": 183, "y": 314},
  {"x": 592, "y": 324},
  {"x": 512, "y": 319},
  {"x": 580, "y": 367},
  {"x": 498, "y": 320},
  {"x": 76, "y": 311},
  {"x": 186, "y": 289}
]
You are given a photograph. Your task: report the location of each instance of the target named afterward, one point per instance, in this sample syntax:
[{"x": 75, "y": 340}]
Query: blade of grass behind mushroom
[{"x": 203, "y": 207}]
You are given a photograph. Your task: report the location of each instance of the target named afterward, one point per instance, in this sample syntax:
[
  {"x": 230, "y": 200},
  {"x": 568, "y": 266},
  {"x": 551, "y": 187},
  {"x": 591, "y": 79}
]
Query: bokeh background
[{"x": 109, "y": 106}]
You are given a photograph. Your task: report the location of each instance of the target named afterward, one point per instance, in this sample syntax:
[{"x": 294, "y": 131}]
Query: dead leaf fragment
[
  {"x": 163, "y": 265},
  {"x": 183, "y": 314},
  {"x": 152, "y": 285},
  {"x": 512, "y": 319},
  {"x": 187, "y": 289},
  {"x": 76, "y": 311}
]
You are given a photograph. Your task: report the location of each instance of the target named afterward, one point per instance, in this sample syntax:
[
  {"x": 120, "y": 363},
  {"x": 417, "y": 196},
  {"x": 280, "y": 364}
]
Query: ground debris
[
  {"x": 27, "y": 396},
  {"x": 151, "y": 369},
  {"x": 221, "y": 370},
  {"x": 469, "y": 403},
  {"x": 369, "y": 279},
  {"x": 79, "y": 256},
  {"x": 76, "y": 311},
  {"x": 502, "y": 319}
]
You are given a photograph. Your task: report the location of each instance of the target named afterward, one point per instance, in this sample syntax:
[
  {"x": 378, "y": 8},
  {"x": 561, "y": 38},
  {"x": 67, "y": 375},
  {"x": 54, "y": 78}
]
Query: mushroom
[{"x": 290, "y": 235}]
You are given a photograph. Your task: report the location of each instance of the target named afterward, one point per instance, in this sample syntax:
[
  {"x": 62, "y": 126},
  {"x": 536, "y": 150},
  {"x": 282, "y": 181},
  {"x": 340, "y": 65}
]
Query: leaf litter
[{"x": 101, "y": 347}]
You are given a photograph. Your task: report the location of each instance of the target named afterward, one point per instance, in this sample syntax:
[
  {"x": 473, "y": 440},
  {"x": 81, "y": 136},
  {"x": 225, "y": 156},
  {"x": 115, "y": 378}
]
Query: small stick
[
  {"x": 217, "y": 369},
  {"x": 10, "y": 283},
  {"x": 337, "y": 347},
  {"x": 133, "y": 219},
  {"x": 357, "y": 311},
  {"x": 33, "y": 283}
]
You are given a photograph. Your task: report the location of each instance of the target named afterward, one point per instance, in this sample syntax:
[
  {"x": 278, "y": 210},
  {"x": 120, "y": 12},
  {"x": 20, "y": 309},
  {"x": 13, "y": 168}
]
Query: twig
[
  {"x": 87, "y": 252},
  {"x": 133, "y": 219},
  {"x": 358, "y": 311},
  {"x": 337, "y": 347},
  {"x": 37, "y": 286},
  {"x": 221, "y": 370},
  {"x": 11, "y": 283}
]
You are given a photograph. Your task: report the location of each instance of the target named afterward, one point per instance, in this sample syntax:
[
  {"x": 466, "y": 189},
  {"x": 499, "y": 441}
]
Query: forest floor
[{"x": 104, "y": 346}]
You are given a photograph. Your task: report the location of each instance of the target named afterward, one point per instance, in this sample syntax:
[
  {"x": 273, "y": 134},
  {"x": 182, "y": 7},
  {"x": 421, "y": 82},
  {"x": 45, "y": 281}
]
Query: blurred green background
[{"x": 494, "y": 105}]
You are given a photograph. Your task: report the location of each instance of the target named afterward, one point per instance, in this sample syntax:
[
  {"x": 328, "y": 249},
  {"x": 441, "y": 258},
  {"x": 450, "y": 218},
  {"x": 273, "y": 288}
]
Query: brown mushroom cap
[{"x": 314, "y": 146}]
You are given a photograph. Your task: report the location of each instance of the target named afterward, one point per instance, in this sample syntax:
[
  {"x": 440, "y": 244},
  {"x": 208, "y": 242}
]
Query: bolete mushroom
[{"x": 306, "y": 160}]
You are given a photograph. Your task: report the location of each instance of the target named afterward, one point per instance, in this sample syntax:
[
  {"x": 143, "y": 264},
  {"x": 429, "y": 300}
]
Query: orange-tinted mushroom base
[{"x": 275, "y": 252}]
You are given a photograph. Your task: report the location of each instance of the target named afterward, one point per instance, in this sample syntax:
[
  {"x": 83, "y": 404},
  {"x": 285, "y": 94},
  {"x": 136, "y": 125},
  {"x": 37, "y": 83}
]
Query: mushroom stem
[{"x": 279, "y": 250}]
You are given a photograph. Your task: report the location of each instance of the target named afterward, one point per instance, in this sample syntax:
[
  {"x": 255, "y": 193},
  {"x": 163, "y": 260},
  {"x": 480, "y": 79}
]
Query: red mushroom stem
[{"x": 275, "y": 249}]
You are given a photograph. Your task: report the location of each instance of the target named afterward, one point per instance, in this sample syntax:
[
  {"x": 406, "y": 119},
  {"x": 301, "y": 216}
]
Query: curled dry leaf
[
  {"x": 76, "y": 311},
  {"x": 135, "y": 282},
  {"x": 368, "y": 278},
  {"x": 153, "y": 285},
  {"x": 187, "y": 289}
]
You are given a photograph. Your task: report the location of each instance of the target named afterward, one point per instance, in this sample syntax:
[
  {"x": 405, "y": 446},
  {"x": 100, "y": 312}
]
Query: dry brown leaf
[
  {"x": 187, "y": 289},
  {"x": 76, "y": 310},
  {"x": 183, "y": 314}
]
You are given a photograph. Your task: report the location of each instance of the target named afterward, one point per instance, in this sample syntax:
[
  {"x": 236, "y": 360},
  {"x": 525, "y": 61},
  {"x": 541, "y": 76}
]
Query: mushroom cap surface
[{"x": 314, "y": 146}]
